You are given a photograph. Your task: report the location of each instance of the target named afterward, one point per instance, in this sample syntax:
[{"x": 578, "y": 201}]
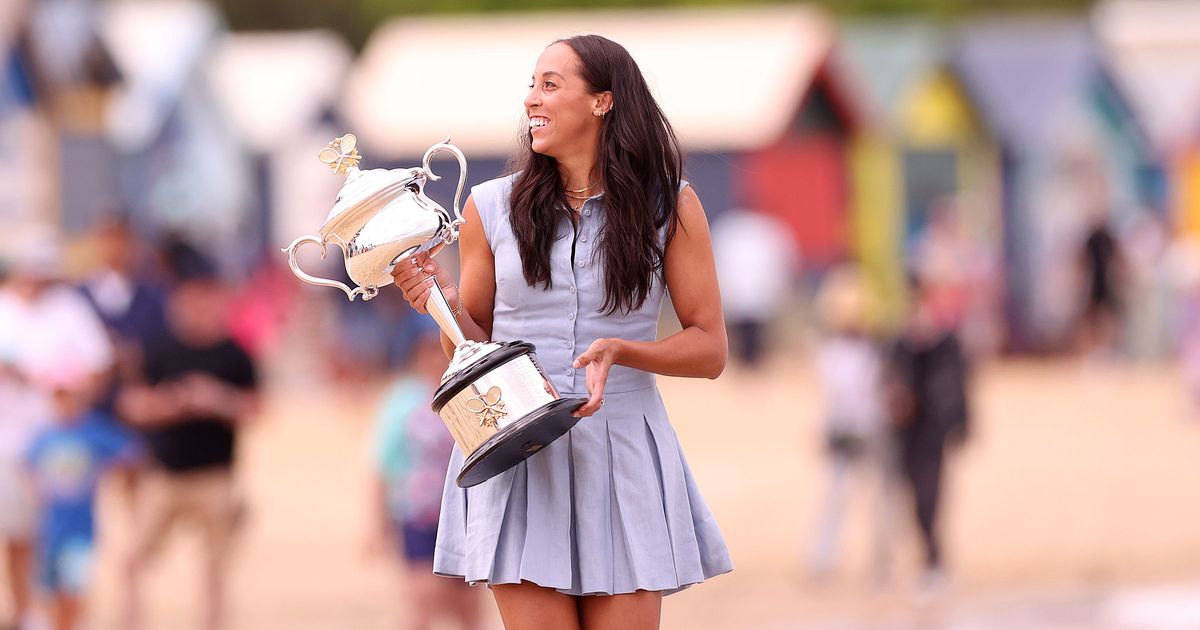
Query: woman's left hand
[{"x": 598, "y": 360}]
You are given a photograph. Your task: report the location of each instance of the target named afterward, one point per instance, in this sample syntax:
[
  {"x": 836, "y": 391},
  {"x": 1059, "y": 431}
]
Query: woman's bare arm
[{"x": 701, "y": 348}]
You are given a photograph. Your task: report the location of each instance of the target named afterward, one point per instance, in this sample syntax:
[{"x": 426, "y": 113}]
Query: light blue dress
[{"x": 611, "y": 507}]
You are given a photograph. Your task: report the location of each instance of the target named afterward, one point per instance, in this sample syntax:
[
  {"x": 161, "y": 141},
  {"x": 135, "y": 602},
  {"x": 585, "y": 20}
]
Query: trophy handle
[
  {"x": 367, "y": 293},
  {"x": 462, "y": 181}
]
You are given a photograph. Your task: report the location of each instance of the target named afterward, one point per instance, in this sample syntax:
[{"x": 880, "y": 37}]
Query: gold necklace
[
  {"x": 570, "y": 196},
  {"x": 584, "y": 189}
]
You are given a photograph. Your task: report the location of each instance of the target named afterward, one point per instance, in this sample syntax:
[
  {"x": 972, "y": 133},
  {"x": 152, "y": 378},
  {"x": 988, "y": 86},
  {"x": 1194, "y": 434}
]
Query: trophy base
[{"x": 518, "y": 441}]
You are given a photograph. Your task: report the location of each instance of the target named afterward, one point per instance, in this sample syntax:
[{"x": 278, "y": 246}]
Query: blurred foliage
[{"x": 355, "y": 19}]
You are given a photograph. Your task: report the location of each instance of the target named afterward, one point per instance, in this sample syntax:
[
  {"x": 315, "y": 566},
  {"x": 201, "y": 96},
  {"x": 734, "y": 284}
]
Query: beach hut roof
[
  {"x": 156, "y": 46},
  {"x": 885, "y": 60},
  {"x": 273, "y": 86},
  {"x": 728, "y": 79},
  {"x": 1153, "y": 49},
  {"x": 1026, "y": 76}
]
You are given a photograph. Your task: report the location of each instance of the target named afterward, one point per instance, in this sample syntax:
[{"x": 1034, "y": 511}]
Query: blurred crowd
[
  {"x": 896, "y": 392},
  {"x": 135, "y": 346},
  {"x": 144, "y": 370}
]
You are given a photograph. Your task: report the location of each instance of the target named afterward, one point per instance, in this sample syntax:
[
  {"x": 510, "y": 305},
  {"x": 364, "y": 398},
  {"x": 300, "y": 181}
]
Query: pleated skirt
[{"x": 609, "y": 508}]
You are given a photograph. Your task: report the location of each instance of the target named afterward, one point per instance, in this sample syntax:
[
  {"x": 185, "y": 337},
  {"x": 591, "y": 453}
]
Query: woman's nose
[{"x": 532, "y": 98}]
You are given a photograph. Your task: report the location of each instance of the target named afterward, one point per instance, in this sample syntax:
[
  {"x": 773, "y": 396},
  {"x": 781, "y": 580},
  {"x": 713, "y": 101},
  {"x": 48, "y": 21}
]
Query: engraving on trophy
[{"x": 489, "y": 407}]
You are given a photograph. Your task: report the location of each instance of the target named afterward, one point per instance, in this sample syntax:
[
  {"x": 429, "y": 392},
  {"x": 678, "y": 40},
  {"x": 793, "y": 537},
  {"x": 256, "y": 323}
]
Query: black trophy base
[{"x": 518, "y": 441}]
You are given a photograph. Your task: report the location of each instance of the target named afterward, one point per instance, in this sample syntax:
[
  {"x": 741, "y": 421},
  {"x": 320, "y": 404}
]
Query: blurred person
[
  {"x": 123, "y": 294},
  {"x": 44, "y": 326},
  {"x": 411, "y": 449},
  {"x": 929, "y": 404},
  {"x": 756, "y": 261},
  {"x": 1144, "y": 241},
  {"x": 199, "y": 388},
  {"x": 131, "y": 305},
  {"x": 849, "y": 365},
  {"x": 1183, "y": 263},
  {"x": 942, "y": 263},
  {"x": 1101, "y": 265},
  {"x": 574, "y": 252},
  {"x": 65, "y": 463}
]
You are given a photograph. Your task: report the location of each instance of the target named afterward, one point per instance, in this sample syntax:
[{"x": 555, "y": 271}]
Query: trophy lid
[{"x": 362, "y": 189}]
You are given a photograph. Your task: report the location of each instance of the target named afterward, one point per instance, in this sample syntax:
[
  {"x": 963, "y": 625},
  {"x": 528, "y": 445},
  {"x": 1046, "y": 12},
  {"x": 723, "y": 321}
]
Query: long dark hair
[{"x": 640, "y": 167}]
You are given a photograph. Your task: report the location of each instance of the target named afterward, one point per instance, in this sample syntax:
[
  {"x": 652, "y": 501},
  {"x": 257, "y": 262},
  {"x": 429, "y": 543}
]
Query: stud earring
[{"x": 596, "y": 112}]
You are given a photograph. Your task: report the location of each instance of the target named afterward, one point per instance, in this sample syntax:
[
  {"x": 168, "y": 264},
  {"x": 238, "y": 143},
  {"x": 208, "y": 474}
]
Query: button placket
[{"x": 581, "y": 253}]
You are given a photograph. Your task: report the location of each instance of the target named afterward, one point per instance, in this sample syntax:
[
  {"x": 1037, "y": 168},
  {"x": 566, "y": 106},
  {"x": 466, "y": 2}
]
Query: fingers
[
  {"x": 413, "y": 267},
  {"x": 590, "y": 407},
  {"x": 597, "y": 377},
  {"x": 415, "y": 276},
  {"x": 418, "y": 296}
]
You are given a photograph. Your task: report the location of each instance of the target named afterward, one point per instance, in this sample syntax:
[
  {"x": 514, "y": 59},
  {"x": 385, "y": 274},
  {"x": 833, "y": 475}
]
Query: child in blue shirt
[
  {"x": 411, "y": 451},
  {"x": 65, "y": 462}
]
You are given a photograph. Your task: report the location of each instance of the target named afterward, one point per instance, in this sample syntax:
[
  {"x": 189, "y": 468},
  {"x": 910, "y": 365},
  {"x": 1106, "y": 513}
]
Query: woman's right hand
[{"x": 415, "y": 275}]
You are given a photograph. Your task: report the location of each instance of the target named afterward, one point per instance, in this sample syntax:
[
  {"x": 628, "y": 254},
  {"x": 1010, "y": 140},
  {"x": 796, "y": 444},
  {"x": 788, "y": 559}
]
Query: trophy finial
[{"x": 341, "y": 154}]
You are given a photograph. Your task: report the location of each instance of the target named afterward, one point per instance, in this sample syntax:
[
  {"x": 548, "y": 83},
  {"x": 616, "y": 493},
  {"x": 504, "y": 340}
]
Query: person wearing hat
[
  {"x": 850, "y": 368},
  {"x": 44, "y": 326},
  {"x": 65, "y": 462}
]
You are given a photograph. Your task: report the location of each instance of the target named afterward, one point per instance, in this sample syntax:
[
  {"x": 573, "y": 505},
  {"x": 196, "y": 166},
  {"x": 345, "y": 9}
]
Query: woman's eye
[{"x": 548, "y": 85}]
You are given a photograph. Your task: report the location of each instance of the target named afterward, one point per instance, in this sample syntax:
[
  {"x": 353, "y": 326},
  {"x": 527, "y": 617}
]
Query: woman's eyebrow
[{"x": 551, "y": 72}]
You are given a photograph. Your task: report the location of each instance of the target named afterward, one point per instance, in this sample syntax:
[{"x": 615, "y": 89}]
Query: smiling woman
[{"x": 575, "y": 251}]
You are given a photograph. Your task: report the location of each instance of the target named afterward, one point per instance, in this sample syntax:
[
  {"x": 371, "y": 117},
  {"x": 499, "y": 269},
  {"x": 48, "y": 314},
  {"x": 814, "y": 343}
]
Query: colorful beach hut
[
  {"x": 751, "y": 94},
  {"x": 1153, "y": 49},
  {"x": 921, "y": 149},
  {"x": 1070, "y": 151}
]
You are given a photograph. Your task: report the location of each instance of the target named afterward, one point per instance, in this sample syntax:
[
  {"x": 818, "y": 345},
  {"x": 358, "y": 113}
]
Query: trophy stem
[{"x": 439, "y": 309}]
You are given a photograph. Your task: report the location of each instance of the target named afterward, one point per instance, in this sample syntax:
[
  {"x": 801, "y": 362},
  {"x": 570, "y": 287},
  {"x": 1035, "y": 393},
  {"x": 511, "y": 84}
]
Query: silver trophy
[{"x": 494, "y": 397}]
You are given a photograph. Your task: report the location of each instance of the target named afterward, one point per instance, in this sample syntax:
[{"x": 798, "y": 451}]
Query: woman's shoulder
[
  {"x": 491, "y": 202},
  {"x": 494, "y": 192}
]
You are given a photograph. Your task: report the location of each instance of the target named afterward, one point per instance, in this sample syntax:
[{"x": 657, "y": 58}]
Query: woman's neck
[{"x": 579, "y": 171}]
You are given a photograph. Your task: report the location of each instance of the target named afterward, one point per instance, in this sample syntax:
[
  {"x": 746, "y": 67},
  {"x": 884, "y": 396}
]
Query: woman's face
[{"x": 559, "y": 106}]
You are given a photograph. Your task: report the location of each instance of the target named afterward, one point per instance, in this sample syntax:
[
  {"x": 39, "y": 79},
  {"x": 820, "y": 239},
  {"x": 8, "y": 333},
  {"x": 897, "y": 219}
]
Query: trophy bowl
[{"x": 494, "y": 398}]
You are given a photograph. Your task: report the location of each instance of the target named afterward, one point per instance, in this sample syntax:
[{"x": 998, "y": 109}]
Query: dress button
[
  {"x": 571, "y": 290},
  {"x": 582, "y": 239},
  {"x": 570, "y": 371},
  {"x": 571, "y": 317},
  {"x": 587, "y": 212},
  {"x": 580, "y": 263},
  {"x": 566, "y": 344}
]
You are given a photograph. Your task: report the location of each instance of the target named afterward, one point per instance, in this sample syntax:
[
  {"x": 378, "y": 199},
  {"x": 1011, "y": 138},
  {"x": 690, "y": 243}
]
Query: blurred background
[{"x": 958, "y": 251}]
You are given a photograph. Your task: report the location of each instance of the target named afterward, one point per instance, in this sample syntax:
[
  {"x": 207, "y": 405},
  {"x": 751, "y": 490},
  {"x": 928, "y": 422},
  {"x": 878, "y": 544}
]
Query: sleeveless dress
[{"x": 610, "y": 507}]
